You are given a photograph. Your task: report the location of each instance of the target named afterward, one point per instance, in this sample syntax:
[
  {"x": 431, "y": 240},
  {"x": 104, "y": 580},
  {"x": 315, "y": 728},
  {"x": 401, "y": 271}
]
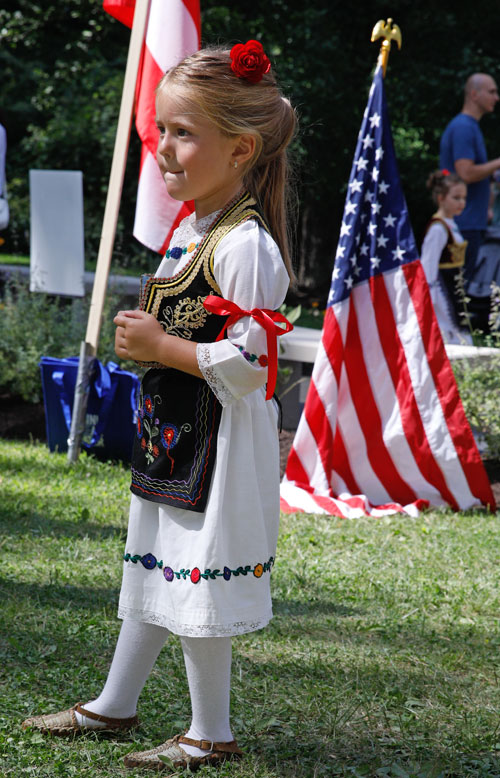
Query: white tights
[{"x": 208, "y": 668}]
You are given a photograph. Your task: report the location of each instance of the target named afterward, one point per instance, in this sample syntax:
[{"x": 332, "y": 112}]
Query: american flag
[
  {"x": 173, "y": 32},
  {"x": 383, "y": 428}
]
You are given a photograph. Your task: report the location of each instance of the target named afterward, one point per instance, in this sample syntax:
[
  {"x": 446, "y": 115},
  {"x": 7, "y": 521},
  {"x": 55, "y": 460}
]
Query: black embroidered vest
[
  {"x": 453, "y": 254},
  {"x": 176, "y": 442}
]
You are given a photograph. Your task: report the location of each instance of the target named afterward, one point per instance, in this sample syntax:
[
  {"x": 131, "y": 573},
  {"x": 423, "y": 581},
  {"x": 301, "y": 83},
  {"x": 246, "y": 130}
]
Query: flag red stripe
[
  {"x": 408, "y": 407},
  {"x": 329, "y": 506},
  {"x": 369, "y": 416},
  {"x": 145, "y": 107},
  {"x": 341, "y": 463},
  {"x": 295, "y": 471},
  {"x": 193, "y": 7},
  {"x": 331, "y": 338},
  {"x": 285, "y": 507},
  {"x": 334, "y": 348},
  {"x": 186, "y": 208},
  {"x": 122, "y": 10},
  {"x": 446, "y": 388},
  {"x": 331, "y": 450},
  {"x": 321, "y": 430}
]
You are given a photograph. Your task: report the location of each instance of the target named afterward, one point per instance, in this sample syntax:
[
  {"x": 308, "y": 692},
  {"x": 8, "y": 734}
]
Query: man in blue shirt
[{"x": 463, "y": 150}]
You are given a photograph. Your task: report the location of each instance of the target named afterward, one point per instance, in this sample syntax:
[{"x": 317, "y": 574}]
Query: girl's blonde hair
[
  {"x": 440, "y": 182},
  {"x": 238, "y": 107}
]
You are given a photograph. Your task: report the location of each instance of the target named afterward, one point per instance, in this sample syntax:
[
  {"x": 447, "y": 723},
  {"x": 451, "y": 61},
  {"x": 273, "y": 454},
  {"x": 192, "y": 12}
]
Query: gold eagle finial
[{"x": 389, "y": 32}]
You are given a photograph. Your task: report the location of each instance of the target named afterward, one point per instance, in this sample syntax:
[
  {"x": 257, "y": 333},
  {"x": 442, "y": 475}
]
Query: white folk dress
[
  {"x": 434, "y": 243},
  {"x": 214, "y": 578}
]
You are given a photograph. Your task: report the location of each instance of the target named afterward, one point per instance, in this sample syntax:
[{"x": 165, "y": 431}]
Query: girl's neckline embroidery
[
  {"x": 176, "y": 252},
  {"x": 210, "y": 220}
]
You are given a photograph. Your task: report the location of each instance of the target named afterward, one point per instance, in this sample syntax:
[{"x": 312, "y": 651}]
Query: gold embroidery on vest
[
  {"x": 187, "y": 315},
  {"x": 457, "y": 255}
]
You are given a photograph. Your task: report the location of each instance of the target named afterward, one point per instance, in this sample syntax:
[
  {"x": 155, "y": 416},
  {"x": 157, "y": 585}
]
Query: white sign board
[{"x": 56, "y": 236}]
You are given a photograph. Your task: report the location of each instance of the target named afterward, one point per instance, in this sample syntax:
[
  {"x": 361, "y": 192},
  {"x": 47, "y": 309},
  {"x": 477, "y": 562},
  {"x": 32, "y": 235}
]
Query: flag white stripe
[
  {"x": 299, "y": 498},
  {"x": 357, "y": 452},
  {"x": 167, "y": 20},
  {"x": 431, "y": 413},
  {"x": 153, "y": 205},
  {"x": 350, "y": 428}
]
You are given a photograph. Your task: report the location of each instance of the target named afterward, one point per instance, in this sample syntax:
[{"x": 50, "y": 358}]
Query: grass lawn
[
  {"x": 383, "y": 658},
  {"x": 13, "y": 259}
]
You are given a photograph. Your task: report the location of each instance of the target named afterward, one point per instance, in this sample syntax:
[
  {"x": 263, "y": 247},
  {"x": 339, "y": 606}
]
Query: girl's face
[
  {"x": 196, "y": 160},
  {"x": 453, "y": 202}
]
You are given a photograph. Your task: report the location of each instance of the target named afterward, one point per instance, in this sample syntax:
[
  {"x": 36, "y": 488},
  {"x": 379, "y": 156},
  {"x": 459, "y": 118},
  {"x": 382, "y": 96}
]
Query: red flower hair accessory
[
  {"x": 249, "y": 61},
  {"x": 445, "y": 172}
]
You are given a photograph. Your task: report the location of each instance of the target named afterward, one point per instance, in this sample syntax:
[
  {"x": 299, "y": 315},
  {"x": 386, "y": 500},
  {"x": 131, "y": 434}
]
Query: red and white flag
[
  {"x": 173, "y": 33},
  {"x": 383, "y": 428}
]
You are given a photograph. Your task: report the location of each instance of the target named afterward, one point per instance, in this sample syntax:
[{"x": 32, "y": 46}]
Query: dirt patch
[
  {"x": 20, "y": 420},
  {"x": 492, "y": 467}
]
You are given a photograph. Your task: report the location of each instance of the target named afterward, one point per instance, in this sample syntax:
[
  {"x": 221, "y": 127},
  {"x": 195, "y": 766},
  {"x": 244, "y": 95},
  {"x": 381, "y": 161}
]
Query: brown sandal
[
  {"x": 64, "y": 723},
  {"x": 174, "y": 756}
]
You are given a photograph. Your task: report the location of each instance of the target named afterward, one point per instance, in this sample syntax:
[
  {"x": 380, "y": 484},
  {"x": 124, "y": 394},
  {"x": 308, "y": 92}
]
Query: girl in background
[{"x": 443, "y": 255}]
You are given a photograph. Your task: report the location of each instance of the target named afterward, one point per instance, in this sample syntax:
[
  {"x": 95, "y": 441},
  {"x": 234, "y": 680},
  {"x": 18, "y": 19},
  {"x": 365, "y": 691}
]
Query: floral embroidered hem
[{"x": 150, "y": 562}]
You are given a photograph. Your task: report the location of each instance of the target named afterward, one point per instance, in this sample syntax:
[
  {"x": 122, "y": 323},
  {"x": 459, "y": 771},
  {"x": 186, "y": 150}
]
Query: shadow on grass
[
  {"x": 56, "y": 595},
  {"x": 285, "y": 608},
  {"x": 291, "y": 757},
  {"x": 16, "y": 524}
]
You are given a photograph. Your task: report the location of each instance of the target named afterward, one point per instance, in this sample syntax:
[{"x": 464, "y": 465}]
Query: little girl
[
  {"x": 443, "y": 254},
  {"x": 204, "y": 511}
]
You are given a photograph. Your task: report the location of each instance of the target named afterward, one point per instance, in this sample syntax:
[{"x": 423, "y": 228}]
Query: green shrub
[
  {"x": 33, "y": 325},
  {"x": 478, "y": 386}
]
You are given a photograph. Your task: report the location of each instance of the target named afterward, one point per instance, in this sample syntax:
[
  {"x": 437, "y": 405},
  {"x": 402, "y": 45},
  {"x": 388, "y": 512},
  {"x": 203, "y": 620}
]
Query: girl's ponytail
[{"x": 269, "y": 180}]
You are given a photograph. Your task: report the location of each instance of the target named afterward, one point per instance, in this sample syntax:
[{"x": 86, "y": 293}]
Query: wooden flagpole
[{"x": 88, "y": 348}]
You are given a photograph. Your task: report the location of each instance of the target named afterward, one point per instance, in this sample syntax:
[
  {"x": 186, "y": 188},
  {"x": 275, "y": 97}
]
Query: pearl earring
[{"x": 235, "y": 164}]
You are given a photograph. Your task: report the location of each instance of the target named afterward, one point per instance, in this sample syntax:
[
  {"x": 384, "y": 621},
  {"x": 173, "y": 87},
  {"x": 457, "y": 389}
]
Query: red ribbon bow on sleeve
[{"x": 266, "y": 318}]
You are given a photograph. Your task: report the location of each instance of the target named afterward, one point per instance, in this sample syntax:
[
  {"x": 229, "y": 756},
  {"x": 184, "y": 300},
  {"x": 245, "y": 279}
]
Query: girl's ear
[{"x": 244, "y": 149}]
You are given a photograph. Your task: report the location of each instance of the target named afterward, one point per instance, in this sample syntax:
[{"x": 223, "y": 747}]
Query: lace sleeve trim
[{"x": 217, "y": 386}]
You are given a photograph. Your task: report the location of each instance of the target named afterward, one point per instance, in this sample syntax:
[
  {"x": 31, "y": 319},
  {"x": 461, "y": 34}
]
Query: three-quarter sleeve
[
  {"x": 434, "y": 242},
  {"x": 250, "y": 272}
]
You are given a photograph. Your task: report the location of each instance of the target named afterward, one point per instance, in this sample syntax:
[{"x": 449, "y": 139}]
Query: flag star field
[{"x": 375, "y": 234}]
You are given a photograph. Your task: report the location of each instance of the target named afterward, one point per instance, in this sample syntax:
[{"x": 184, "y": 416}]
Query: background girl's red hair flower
[{"x": 249, "y": 61}]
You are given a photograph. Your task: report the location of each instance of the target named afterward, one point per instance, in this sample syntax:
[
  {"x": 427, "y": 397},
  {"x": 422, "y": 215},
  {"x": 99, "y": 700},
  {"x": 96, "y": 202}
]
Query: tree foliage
[{"x": 62, "y": 71}]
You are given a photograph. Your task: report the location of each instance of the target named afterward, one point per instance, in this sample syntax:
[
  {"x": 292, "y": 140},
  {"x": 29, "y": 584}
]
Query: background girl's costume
[
  {"x": 443, "y": 256},
  {"x": 205, "y": 473}
]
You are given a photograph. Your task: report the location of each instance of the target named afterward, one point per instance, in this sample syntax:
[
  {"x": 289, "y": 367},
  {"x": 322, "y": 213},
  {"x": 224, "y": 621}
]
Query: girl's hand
[{"x": 138, "y": 336}]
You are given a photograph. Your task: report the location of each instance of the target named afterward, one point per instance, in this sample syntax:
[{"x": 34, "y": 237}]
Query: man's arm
[{"x": 470, "y": 172}]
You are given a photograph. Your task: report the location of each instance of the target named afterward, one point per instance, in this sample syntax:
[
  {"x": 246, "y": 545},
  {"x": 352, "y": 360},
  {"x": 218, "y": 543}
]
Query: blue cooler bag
[{"x": 111, "y": 409}]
